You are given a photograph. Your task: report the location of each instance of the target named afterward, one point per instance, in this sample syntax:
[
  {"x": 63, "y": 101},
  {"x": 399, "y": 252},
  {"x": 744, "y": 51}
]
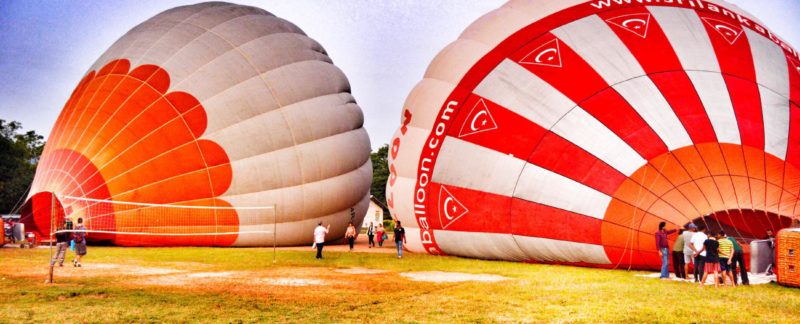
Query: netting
[{"x": 200, "y": 222}]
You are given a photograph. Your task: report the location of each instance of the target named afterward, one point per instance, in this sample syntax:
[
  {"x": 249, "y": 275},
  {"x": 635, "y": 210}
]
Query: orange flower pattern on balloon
[{"x": 123, "y": 136}]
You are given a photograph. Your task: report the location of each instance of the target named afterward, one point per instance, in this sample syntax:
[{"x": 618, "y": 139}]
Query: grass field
[{"x": 243, "y": 285}]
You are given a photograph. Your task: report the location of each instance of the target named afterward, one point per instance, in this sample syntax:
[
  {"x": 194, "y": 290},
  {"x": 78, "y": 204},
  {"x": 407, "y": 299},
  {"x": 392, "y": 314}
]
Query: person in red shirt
[{"x": 662, "y": 244}]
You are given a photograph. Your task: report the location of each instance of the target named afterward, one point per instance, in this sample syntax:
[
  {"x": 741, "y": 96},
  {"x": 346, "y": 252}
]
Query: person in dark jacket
[
  {"x": 399, "y": 238},
  {"x": 738, "y": 262},
  {"x": 62, "y": 244},
  {"x": 371, "y": 234}
]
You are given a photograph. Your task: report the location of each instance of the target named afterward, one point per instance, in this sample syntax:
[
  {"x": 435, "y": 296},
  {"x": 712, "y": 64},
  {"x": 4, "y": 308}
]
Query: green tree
[
  {"x": 380, "y": 174},
  {"x": 19, "y": 155}
]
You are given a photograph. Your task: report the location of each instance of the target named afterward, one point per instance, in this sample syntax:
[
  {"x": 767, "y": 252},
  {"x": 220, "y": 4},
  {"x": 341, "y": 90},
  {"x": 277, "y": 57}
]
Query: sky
[{"x": 383, "y": 47}]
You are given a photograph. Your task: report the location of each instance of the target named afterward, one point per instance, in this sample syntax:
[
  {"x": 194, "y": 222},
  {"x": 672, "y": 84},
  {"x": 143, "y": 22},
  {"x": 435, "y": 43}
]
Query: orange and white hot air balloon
[
  {"x": 565, "y": 131},
  {"x": 216, "y": 106}
]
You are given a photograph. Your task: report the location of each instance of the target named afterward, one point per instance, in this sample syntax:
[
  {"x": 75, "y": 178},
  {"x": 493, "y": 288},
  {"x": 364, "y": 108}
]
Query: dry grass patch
[{"x": 232, "y": 285}]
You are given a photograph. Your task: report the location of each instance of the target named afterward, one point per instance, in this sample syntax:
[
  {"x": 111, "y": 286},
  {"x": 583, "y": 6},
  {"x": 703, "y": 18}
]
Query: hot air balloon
[
  {"x": 217, "y": 110},
  {"x": 565, "y": 131}
]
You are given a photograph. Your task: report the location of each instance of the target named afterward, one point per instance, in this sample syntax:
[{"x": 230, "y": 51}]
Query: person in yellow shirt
[
  {"x": 725, "y": 257},
  {"x": 677, "y": 257}
]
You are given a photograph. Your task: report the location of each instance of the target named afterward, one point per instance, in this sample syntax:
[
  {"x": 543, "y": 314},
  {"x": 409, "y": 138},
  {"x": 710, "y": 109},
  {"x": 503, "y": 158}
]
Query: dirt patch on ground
[
  {"x": 102, "y": 270},
  {"x": 441, "y": 277},
  {"x": 193, "y": 279},
  {"x": 360, "y": 271},
  {"x": 293, "y": 282},
  {"x": 292, "y": 277},
  {"x": 229, "y": 279},
  {"x": 120, "y": 269}
]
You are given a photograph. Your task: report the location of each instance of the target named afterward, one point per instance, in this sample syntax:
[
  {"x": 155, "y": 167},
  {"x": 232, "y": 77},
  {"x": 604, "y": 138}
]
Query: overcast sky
[{"x": 383, "y": 47}]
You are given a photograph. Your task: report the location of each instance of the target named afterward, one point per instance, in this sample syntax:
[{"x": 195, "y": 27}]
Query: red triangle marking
[
  {"x": 637, "y": 23},
  {"x": 728, "y": 31},
  {"x": 479, "y": 120},
  {"x": 450, "y": 209},
  {"x": 549, "y": 54}
]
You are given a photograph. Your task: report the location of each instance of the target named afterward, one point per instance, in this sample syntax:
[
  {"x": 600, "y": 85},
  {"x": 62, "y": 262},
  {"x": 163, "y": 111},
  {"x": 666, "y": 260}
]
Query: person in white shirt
[
  {"x": 699, "y": 253},
  {"x": 688, "y": 253},
  {"x": 319, "y": 238}
]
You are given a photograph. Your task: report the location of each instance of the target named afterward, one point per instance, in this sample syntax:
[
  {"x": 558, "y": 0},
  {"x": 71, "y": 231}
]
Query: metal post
[
  {"x": 52, "y": 229},
  {"x": 274, "y": 233}
]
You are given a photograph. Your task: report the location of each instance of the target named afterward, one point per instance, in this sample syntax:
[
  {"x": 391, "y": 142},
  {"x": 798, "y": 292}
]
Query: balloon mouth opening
[
  {"x": 42, "y": 214},
  {"x": 745, "y": 225}
]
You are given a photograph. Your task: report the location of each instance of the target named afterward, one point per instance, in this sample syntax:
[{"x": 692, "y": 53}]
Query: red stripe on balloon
[
  {"x": 736, "y": 63},
  {"x": 593, "y": 94},
  {"x": 645, "y": 39},
  {"x": 793, "y": 149},
  {"x": 477, "y": 211},
  {"x": 506, "y": 132}
]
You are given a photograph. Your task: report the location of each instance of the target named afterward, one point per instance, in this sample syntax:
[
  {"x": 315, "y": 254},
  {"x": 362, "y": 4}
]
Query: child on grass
[
  {"x": 725, "y": 258},
  {"x": 711, "y": 247}
]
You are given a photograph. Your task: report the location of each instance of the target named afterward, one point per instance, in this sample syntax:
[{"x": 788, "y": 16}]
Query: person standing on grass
[
  {"x": 711, "y": 248},
  {"x": 62, "y": 244},
  {"x": 677, "y": 257},
  {"x": 725, "y": 256},
  {"x": 371, "y": 234},
  {"x": 319, "y": 238},
  {"x": 688, "y": 253},
  {"x": 79, "y": 236},
  {"x": 663, "y": 248},
  {"x": 350, "y": 235},
  {"x": 381, "y": 235},
  {"x": 699, "y": 255},
  {"x": 399, "y": 238},
  {"x": 738, "y": 258}
]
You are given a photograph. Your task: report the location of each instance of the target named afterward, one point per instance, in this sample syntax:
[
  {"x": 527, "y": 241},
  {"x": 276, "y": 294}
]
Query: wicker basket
[{"x": 787, "y": 255}]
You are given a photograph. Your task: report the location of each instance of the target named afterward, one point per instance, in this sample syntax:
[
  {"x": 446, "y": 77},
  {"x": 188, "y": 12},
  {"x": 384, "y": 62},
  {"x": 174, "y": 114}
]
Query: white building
[{"x": 374, "y": 212}]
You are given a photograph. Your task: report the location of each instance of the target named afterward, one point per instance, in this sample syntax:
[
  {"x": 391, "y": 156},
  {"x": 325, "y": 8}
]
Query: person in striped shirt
[{"x": 725, "y": 257}]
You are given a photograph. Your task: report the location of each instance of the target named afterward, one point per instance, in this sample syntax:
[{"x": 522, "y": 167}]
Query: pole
[
  {"x": 274, "y": 233},
  {"x": 52, "y": 229}
]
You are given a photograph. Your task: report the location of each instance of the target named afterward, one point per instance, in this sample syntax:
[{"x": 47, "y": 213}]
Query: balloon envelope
[
  {"x": 566, "y": 131},
  {"x": 210, "y": 105}
]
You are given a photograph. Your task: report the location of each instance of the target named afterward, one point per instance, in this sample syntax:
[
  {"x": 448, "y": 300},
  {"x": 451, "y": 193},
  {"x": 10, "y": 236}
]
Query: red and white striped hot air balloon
[
  {"x": 565, "y": 131},
  {"x": 219, "y": 107}
]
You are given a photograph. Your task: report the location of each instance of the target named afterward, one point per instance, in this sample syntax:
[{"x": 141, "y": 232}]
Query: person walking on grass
[
  {"x": 399, "y": 238},
  {"x": 79, "y": 236},
  {"x": 663, "y": 248},
  {"x": 688, "y": 253},
  {"x": 381, "y": 235},
  {"x": 738, "y": 260},
  {"x": 711, "y": 248},
  {"x": 62, "y": 245},
  {"x": 699, "y": 254},
  {"x": 371, "y": 234},
  {"x": 350, "y": 235},
  {"x": 319, "y": 238},
  {"x": 677, "y": 257},
  {"x": 725, "y": 257}
]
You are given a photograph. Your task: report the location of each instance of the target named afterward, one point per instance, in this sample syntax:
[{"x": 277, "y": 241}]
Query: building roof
[{"x": 378, "y": 202}]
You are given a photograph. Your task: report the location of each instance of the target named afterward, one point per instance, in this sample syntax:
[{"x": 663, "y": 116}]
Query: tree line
[
  {"x": 380, "y": 174},
  {"x": 19, "y": 155}
]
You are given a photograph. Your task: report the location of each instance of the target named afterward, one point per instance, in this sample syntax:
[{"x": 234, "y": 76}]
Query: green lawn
[{"x": 115, "y": 292}]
